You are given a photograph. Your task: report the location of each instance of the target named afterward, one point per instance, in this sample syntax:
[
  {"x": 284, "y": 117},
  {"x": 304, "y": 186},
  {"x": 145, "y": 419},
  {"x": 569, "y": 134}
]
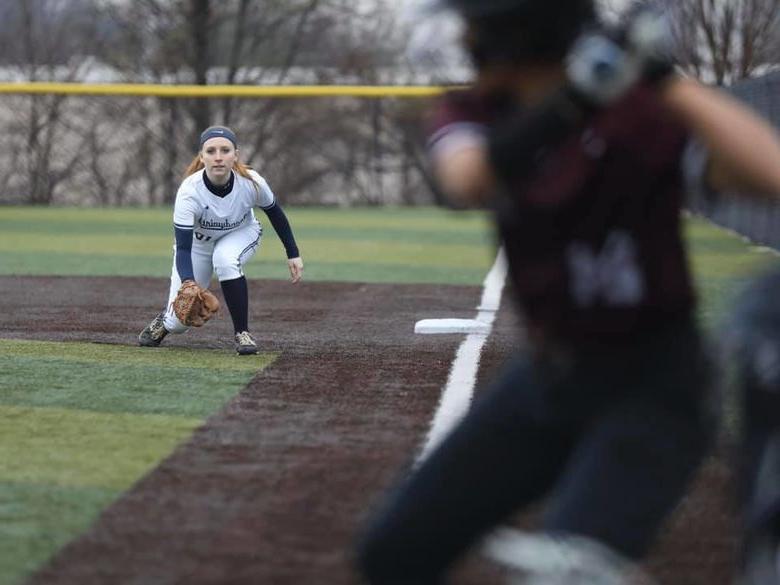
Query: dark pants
[
  {"x": 752, "y": 332},
  {"x": 611, "y": 438},
  {"x": 760, "y": 461}
]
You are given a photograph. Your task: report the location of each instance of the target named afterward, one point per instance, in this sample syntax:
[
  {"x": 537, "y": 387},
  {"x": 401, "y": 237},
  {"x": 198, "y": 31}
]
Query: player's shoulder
[
  {"x": 190, "y": 186},
  {"x": 641, "y": 121},
  {"x": 465, "y": 110},
  {"x": 643, "y": 105},
  {"x": 191, "y": 182},
  {"x": 257, "y": 177},
  {"x": 456, "y": 106},
  {"x": 253, "y": 178},
  {"x": 469, "y": 104}
]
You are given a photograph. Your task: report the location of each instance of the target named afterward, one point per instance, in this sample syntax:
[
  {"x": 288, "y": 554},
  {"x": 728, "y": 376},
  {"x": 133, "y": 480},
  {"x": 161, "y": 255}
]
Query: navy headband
[{"x": 218, "y": 132}]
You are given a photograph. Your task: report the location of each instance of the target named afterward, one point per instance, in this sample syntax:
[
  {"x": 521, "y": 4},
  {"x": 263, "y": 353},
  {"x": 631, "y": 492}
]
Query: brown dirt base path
[{"x": 272, "y": 489}]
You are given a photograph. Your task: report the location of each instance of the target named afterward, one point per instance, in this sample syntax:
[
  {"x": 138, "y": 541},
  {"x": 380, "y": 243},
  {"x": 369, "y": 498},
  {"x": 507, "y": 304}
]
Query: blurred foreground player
[
  {"x": 582, "y": 142},
  {"x": 753, "y": 333}
]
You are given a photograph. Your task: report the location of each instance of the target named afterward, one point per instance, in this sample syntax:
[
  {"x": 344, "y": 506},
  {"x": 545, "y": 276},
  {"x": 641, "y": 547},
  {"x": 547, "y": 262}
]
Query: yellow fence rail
[{"x": 215, "y": 91}]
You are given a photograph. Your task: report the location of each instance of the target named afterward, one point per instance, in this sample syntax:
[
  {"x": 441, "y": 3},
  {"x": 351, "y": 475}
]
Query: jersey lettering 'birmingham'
[
  {"x": 217, "y": 216},
  {"x": 222, "y": 225}
]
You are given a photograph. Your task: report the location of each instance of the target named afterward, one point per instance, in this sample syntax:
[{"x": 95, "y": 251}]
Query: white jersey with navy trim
[
  {"x": 226, "y": 233},
  {"x": 213, "y": 217}
]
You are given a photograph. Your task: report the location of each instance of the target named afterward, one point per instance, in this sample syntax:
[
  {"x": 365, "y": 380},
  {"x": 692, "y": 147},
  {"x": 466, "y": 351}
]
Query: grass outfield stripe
[
  {"x": 455, "y": 235},
  {"x": 437, "y": 223},
  {"x": 74, "y": 448},
  {"x": 58, "y": 215},
  {"x": 403, "y": 245},
  {"x": 394, "y": 218},
  {"x": 37, "y": 520},
  {"x": 81, "y": 422},
  {"x": 189, "y": 392},
  {"x": 71, "y": 264},
  {"x": 98, "y": 244},
  {"x": 353, "y": 272},
  {"x": 371, "y": 254},
  {"x": 265, "y": 267},
  {"x": 176, "y": 357},
  {"x": 403, "y": 253},
  {"x": 331, "y": 250}
]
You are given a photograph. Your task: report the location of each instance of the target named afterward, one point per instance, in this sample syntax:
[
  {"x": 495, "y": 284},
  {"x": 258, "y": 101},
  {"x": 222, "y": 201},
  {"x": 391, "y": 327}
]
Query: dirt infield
[{"x": 271, "y": 489}]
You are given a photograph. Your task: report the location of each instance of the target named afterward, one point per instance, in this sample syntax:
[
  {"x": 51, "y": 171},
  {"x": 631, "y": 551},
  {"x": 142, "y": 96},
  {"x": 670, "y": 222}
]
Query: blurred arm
[
  {"x": 463, "y": 172},
  {"x": 744, "y": 150},
  {"x": 458, "y": 148}
]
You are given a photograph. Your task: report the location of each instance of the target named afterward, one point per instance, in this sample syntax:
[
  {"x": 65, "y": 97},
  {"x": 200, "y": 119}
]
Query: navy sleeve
[
  {"x": 184, "y": 253},
  {"x": 283, "y": 230}
]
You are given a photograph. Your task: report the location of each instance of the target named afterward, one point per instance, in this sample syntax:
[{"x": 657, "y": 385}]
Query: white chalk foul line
[
  {"x": 568, "y": 558},
  {"x": 456, "y": 396}
]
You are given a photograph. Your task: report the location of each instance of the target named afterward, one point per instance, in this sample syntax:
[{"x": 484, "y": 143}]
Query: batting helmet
[{"x": 522, "y": 30}]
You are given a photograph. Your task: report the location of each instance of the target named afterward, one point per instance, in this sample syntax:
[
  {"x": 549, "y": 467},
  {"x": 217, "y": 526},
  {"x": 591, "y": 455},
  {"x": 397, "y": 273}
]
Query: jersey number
[
  {"x": 200, "y": 237},
  {"x": 610, "y": 275}
]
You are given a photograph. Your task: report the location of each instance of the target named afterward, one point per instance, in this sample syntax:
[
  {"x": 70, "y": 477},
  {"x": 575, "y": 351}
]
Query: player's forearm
[
  {"x": 282, "y": 228},
  {"x": 744, "y": 150},
  {"x": 184, "y": 253}
]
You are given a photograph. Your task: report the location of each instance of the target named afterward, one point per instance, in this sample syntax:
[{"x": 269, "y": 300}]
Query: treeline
[
  {"x": 117, "y": 151},
  {"x": 342, "y": 151}
]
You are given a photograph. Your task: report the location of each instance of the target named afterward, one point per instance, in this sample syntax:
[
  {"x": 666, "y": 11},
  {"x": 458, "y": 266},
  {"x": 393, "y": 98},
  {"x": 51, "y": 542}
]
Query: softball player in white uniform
[{"x": 217, "y": 233}]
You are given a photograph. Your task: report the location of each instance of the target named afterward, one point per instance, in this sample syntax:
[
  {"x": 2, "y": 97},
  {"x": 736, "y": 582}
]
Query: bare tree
[
  {"x": 269, "y": 42},
  {"x": 199, "y": 24},
  {"x": 724, "y": 40},
  {"x": 51, "y": 37},
  {"x": 133, "y": 150}
]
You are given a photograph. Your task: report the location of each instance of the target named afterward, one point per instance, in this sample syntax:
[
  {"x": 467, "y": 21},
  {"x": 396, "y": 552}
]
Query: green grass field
[
  {"x": 358, "y": 245},
  {"x": 78, "y": 424}
]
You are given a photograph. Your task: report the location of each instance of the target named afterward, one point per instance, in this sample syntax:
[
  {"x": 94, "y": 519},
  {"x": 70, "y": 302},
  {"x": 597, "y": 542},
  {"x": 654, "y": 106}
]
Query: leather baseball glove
[{"x": 194, "y": 305}]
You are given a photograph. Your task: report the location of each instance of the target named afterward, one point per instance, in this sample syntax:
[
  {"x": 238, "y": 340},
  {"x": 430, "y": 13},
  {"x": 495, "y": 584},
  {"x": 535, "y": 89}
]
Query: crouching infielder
[{"x": 217, "y": 232}]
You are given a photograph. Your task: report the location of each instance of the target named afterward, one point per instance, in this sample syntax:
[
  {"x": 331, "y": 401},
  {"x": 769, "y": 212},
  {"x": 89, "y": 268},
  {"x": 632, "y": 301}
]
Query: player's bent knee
[{"x": 227, "y": 270}]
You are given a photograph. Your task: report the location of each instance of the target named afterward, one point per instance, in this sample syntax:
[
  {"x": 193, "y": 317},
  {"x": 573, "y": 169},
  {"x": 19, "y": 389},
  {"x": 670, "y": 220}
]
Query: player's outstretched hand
[{"x": 296, "y": 269}]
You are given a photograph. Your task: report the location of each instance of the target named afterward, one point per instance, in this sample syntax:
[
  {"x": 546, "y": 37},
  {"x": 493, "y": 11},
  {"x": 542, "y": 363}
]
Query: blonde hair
[{"x": 238, "y": 166}]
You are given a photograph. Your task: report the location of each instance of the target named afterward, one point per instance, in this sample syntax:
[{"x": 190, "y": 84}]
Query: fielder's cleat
[
  {"x": 153, "y": 333},
  {"x": 245, "y": 343}
]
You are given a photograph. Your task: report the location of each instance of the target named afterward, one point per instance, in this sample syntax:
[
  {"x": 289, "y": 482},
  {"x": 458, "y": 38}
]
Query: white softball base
[{"x": 428, "y": 326}]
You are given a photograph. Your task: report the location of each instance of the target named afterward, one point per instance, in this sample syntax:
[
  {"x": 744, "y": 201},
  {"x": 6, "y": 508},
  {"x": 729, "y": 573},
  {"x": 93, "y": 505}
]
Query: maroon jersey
[{"x": 593, "y": 236}]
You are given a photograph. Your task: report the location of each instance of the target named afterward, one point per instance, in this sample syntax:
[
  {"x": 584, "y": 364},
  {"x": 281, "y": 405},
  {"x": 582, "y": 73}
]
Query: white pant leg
[
  {"x": 233, "y": 251},
  {"x": 202, "y": 269}
]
